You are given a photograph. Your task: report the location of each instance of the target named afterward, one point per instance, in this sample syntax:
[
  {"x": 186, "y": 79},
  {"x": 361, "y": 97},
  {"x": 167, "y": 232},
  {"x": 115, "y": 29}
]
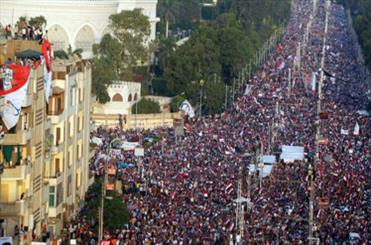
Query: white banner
[
  {"x": 47, "y": 83},
  {"x": 12, "y": 108},
  {"x": 187, "y": 108},
  {"x": 314, "y": 82},
  {"x": 129, "y": 146},
  {"x": 292, "y": 153}
]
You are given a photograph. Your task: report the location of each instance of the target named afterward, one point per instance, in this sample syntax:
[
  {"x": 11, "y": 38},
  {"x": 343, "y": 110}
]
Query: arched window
[
  {"x": 135, "y": 97},
  {"x": 57, "y": 35},
  {"x": 130, "y": 98},
  {"x": 85, "y": 38},
  {"x": 117, "y": 98}
]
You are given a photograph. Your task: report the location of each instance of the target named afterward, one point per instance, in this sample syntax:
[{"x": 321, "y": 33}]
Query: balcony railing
[
  {"x": 20, "y": 137},
  {"x": 16, "y": 172},
  {"x": 13, "y": 209}
]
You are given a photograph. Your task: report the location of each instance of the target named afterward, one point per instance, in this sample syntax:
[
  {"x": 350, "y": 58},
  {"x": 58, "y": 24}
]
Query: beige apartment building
[{"x": 46, "y": 155}]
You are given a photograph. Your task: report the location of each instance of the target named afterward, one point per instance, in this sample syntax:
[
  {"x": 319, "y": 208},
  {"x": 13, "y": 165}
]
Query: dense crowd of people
[
  {"x": 24, "y": 32},
  {"x": 185, "y": 191}
]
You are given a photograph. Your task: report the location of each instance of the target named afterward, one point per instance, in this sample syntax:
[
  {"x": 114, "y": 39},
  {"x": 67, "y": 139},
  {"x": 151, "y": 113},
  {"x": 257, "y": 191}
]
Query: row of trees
[{"x": 216, "y": 51}]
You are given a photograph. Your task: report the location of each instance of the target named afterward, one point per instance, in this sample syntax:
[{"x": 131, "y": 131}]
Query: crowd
[
  {"x": 185, "y": 191},
  {"x": 25, "y": 32}
]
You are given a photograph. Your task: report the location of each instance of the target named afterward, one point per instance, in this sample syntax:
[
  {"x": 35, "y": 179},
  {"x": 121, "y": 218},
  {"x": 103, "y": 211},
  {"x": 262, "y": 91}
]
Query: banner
[
  {"x": 47, "y": 58},
  {"x": 356, "y": 129},
  {"x": 314, "y": 82},
  {"x": 187, "y": 108},
  {"x": 292, "y": 153},
  {"x": 11, "y": 110},
  {"x": 129, "y": 146}
]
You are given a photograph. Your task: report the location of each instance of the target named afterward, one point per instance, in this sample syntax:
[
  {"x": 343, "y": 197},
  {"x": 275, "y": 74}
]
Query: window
[
  {"x": 81, "y": 95},
  {"x": 51, "y": 196},
  {"x": 69, "y": 158},
  {"x": 69, "y": 187},
  {"x": 135, "y": 97},
  {"x": 73, "y": 96},
  {"x": 130, "y": 98},
  {"x": 78, "y": 179},
  {"x": 59, "y": 194},
  {"x": 57, "y": 167},
  {"x": 117, "y": 98}
]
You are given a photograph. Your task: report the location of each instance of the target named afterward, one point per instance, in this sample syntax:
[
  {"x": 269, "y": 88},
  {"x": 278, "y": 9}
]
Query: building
[
  {"x": 79, "y": 23},
  {"x": 45, "y": 156},
  {"x": 69, "y": 112},
  {"x": 122, "y": 96}
]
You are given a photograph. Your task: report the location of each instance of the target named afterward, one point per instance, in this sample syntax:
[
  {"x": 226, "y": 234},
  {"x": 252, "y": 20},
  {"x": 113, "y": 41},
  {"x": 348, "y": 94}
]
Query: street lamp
[{"x": 201, "y": 94}]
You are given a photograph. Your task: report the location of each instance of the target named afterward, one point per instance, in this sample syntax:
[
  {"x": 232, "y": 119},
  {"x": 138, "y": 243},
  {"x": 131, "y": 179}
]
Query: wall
[{"x": 137, "y": 121}]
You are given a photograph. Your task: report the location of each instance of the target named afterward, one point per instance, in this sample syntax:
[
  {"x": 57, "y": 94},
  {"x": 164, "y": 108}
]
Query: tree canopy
[
  {"x": 120, "y": 51},
  {"x": 145, "y": 106}
]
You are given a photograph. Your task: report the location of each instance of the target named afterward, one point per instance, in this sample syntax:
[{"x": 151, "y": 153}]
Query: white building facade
[
  {"x": 79, "y": 23},
  {"x": 123, "y": 95}
]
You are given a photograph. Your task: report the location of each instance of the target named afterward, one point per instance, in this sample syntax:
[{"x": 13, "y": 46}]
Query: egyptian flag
[
  {"x": 229, "y": 188},
  {"x": 14, "y": 97},
  {"x": 323, "y": 141},
  {"x": 46, "y": 49}
]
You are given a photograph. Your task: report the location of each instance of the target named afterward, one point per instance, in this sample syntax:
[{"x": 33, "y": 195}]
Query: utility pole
[
  {"x": 201, "y": 95},
  {"x": 101, "y": 209},
  {"x": 226, "y": 97},
  {"x": 240, "y": 220}
]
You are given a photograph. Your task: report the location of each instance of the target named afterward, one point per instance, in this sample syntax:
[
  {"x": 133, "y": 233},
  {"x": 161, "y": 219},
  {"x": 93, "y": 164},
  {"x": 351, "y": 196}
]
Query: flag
[
  {"x": 323, "y": 141},
  {"x": 187, "y": 108},
  {"x": 229, "y": 188},
  {"x": 14, "y": 97},
  {"x": 344, "y": 132},
  {"x": 46, "y": 49},
  {"x": 314, "y": 82},
  {"x": 356, "y": 129},
  {"x": 47, "y": 82}
]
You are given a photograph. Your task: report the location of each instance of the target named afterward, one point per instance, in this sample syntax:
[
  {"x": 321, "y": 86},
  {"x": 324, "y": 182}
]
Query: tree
[
  {"x": 116, "y": 214},
  {"x": 21, "y": 22},
  {"x": 117, "y": 54},
  {"x": 38, "y": 21},
  {"x": 102, "y": 76},
  {"x": 145, "y": 106},
  {"x": 234, "y": 46},
  {"x": 131, "y": 29}
]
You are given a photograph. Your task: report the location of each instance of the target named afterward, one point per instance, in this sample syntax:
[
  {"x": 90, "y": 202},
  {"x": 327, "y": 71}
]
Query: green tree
[
  {"x": 37, "y": 21},
  {"x": 145, "y": 106},
  {"x": 117, "y": 55},
  {"x": 195, "y": 60},
  {"x": 214, "y": 96},
  {"x": 131, "y": 29},
  {"x": 21, "y": 22},
  {"x": 234, "y": 46},
  {"x": 116, "y": 214}
]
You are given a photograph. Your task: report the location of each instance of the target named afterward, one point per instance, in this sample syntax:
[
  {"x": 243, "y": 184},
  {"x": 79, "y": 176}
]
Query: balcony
[
  {"x": 13, "y": 209},
  {"x": 55, "y": 149},
  {"x": 57, "y": 117},
  {"x": 20, "y": 137},
  {"x": 48, "y": 124},
  {"x": 54, "y": 180},
  {"x": 55, "y": 211},
  {"x": 16, "y": 173}
]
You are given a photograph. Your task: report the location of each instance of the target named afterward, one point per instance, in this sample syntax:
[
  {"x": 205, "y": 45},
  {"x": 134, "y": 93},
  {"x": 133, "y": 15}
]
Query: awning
[
  {"x": 7, "y": 152},
  {"x": 28, "y": 53}
]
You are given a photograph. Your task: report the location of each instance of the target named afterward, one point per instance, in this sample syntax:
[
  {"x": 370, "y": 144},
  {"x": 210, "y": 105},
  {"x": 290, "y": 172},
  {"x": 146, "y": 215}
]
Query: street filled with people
[{"x": 185, "y": 190}]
